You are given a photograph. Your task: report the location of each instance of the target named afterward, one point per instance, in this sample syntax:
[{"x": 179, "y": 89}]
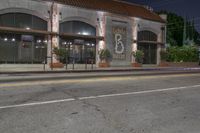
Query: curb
[
  {"x": 103, "y": 70},
  {"x": 95, "y": 76}
]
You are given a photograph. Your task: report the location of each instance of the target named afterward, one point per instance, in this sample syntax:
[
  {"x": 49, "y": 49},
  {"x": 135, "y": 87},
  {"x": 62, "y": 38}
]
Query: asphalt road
[{"x": 145, "y": 104}]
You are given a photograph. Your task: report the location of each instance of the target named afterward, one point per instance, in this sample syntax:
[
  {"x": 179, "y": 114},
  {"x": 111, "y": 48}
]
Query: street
[{"x": 131, "y": 104}]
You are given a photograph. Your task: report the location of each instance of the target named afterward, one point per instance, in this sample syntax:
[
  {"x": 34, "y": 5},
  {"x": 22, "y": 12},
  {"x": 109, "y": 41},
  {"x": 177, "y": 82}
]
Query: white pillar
[
  {"x": 134, "y": 37},
  {"x": 55, "y": 28},
  {"x": 101, "y": 24}
]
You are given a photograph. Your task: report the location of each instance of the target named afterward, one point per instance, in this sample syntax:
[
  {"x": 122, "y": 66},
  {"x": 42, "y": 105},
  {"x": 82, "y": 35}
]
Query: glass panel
[
  {"x": 40, "y": 49},
  {"x": 7, "y": 20},
  {"x": 39, "y": 24},
  {"x": 86, "y": 50},
  {"x": 77, "y": 27},
  {"x": 22, "y": 48},
  {"x": 150, "y": 52},
  {"x": 147, "y": 36},
  {"x": 21, "y": 20}
]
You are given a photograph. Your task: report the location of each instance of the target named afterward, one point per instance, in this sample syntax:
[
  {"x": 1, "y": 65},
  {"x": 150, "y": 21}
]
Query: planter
[
  {"x": 164, "y": 64},
  {"x": 104, "y": 64},
  {"x": 183, "y": 64},
  {"x": 136, "y": 64},
  {"x": 56, "y": 65}
]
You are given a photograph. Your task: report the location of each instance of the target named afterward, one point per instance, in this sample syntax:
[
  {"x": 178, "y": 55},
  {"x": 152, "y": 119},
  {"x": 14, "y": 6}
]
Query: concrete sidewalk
[{"x": 80, "y": 68}]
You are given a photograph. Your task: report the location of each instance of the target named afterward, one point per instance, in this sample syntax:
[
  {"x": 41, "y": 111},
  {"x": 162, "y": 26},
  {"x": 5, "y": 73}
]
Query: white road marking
[
  {"x": 37, "y": 103},
  {"x": 96, "y": 97}
]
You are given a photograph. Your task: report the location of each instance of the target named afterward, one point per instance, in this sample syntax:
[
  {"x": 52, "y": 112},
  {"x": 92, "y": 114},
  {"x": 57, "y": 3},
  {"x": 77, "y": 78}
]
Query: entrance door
[
  {"x": 26, "y": 49},
  {"x": 78, "y": 53},
  {"x": 150, "y": 53}
]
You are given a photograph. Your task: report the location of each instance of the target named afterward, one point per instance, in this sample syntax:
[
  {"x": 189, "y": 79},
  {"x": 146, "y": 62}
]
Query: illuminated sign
[{"x": 119, "y": 42}]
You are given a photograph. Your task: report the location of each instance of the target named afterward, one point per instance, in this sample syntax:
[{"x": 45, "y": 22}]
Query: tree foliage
[{"x": 175, "y": 29}]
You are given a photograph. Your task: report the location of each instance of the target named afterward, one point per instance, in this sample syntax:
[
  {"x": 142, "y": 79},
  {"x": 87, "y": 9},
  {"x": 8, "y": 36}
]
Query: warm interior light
[
  {"x": 39, "y": 41},
  {"x": 27, "y": 28},
  {"x": 45, "y": 41},
  {"x": 85, "y": 33},
  {"x": 13, "y": 39}
]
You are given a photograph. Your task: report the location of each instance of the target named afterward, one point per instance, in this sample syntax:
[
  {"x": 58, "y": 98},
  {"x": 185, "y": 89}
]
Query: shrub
[
  {"x": 138, "y": 55},
  {"x": 62, "y": 54},
  {"x": 164, "y": 55},
  {"x": 105, "y": 54},
  {"x": 183, "y": 54}
]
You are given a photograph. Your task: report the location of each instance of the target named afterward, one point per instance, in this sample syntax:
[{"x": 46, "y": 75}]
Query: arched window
[
  {"x": 22, "y": 20},
  {"x": 147, "y": 36},
  {"x": 77, "y": 27},
  {"x": 80, "y": 50}
]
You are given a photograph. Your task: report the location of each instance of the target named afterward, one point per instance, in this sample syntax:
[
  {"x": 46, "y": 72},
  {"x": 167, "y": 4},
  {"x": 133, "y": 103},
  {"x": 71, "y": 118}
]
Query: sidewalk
[{"x": 39, "y": 69}]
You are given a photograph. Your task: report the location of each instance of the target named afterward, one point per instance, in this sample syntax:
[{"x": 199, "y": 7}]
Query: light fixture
[
  {"x": 39, "y": 41},
  {"x": 64, "y": 43},
  {"x": 13, "y": 39},
  {"x": 45, "y": 41},
  {"x": 27, "y": 28},
  {"x": 85, "y": 33},
  {"x": 6, "y": 39}
]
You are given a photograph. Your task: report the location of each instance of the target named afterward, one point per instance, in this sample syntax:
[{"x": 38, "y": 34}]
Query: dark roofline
[{"x": 154, "y": 17}]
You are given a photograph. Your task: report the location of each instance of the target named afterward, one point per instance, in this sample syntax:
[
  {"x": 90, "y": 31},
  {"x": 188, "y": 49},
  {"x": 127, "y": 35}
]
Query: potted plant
[
  {"x": 105, "y": 58},
  {"x": 138, "y": 55},
  {"x": 61, "y": 55},
  {"x": 164, "y": 56}
]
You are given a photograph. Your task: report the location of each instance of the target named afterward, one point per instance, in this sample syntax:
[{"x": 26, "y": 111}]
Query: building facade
[{"x": 31, "y": 29}]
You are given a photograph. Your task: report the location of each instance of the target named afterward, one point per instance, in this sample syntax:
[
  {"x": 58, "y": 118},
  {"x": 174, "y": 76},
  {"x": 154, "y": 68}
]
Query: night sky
[{"x": 189, "y": 8}]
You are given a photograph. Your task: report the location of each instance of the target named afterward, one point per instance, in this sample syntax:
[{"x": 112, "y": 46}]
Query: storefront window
[
  {"x": 22, "y": 48},
  {"x": 80, "y": 50}
]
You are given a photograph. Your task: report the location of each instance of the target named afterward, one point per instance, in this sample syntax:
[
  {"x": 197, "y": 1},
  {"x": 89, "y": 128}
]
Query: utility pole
[{"x": 184, "y": 31}]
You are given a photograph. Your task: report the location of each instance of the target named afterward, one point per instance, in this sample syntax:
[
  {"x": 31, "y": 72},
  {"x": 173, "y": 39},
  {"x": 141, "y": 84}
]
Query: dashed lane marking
[{"x": 98, "y": 97}]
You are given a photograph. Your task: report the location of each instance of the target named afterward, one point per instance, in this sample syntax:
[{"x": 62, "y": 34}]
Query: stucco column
[
  {"x": 101, "y": 24},
  {"x": 55, "y": 28},
  {"x": 134, "y": 38},
  {"x": 53, "y": 40},
  {"x": 160, "y": 39}
]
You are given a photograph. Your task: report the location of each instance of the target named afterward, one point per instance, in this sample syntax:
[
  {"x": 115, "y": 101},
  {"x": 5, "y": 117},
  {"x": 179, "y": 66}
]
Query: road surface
[{"x": 132, "y": 104}]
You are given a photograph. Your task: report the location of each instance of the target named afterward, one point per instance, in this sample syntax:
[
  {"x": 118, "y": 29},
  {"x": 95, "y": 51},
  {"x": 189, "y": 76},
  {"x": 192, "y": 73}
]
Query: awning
[
  {"x": 77, "y": 36},
  {"x": 40, "y": 32},
  {"x": 25, "y": 31}
]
